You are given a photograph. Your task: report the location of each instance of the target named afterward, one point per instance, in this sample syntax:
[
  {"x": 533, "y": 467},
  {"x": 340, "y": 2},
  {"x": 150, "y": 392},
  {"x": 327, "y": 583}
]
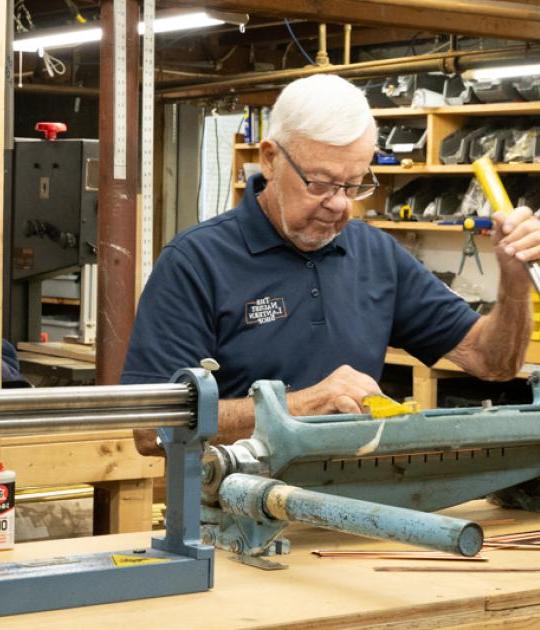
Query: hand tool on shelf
[
  {"x": 497, "y": 196},
  {"x": 472, "y": 226}
]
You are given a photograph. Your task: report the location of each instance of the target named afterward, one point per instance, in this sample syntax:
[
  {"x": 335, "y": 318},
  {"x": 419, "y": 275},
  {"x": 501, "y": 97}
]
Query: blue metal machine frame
[{"x": 366, "y": 469}]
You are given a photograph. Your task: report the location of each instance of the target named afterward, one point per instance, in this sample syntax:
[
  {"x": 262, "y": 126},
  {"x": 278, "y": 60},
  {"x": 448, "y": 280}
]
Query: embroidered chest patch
[{"x": 265, "y": 310}]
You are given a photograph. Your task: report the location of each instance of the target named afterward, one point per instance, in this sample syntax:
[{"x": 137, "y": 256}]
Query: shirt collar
[{"x": 257, "y": 230}]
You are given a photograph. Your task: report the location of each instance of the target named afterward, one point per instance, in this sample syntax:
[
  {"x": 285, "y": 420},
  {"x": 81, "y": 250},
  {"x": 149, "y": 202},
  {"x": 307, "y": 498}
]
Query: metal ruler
[
  {"x": 147, "y": 141},
  {"x": 120, "y": 90}
]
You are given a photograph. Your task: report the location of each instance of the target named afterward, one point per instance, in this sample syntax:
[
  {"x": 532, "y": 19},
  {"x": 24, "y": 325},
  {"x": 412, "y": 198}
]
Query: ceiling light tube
[
  {"x": 502, "y": 72},
  {"x": 181, "y": 22},
  {"x": 57, "y": 40},
  {"x": 76, "y": 37}
]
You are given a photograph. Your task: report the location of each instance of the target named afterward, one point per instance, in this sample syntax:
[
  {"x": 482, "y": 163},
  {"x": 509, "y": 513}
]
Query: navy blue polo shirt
[{"x": 231, "y": 288}]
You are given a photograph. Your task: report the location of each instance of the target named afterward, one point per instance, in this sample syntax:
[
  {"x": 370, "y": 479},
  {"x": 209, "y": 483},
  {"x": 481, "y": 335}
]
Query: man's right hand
[{"x": 342, "y": 391}]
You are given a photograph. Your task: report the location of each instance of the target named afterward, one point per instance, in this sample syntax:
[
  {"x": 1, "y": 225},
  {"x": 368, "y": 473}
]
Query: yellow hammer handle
[
  {"x": 492, "y": 185},
  {"x": 500, "y": 202}
]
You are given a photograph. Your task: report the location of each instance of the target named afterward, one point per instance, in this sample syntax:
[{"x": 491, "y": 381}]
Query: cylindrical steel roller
[
  {"x": 57, "y": 410},
  {"x": 129, "y": 419},
  {"x": 260, "y": 498},
  {"x": 101, "y": 396}
]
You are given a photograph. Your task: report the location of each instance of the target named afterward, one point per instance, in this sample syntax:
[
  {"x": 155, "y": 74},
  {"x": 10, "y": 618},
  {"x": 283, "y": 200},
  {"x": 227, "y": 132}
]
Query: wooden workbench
[
  {"x": 317, "y": 593},
  {"x": 424, "y": 379},
  {"x": 122, "y": 478}
]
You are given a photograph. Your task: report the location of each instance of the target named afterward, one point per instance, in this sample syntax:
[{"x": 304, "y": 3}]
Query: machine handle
[{"x": 261, "y": 499}]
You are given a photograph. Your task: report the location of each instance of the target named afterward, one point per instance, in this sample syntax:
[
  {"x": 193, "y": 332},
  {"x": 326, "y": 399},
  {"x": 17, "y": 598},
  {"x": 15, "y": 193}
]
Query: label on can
[{"x": 7, "y": 515}]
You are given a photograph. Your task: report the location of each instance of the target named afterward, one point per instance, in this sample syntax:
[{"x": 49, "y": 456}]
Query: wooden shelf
[
  {"x": 452, "y": 169},
  {"x": 243, "y": 146},
  {"x": 239, "y": 185},
  {"x": 417, "y": 226},
  {"x": 482, "y": 109},
  {"x": 60, "y": 300}
]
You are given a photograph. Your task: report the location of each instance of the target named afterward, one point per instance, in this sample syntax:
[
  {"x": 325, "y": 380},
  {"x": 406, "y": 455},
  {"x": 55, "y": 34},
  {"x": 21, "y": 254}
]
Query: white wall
[{"x": 217, "y": 156}]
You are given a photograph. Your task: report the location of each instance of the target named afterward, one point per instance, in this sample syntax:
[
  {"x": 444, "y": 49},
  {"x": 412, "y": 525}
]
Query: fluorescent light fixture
[
  {"x": 181, "y": 22},
  {"x": 57, "y": 40},
  {"x": 502, "y": 72},
  {"x": 75, "y": 37}
]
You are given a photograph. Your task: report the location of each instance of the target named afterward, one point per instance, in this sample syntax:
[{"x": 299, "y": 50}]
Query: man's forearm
[
  {"x": 236, "y": 418},
  {"x": 494, "y": 348}
]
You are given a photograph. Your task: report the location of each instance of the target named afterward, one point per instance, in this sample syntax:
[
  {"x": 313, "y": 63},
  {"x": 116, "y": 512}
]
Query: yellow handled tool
[
  {"x": 497, "y": 196},
  {"x": 381, "y": 406}
]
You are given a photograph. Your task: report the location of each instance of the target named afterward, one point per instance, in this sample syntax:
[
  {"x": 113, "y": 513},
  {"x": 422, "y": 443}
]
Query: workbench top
[{"x": 319, "y": 593}]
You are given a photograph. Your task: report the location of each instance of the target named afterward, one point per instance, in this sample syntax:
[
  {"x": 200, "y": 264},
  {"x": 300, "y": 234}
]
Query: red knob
[{"x": 50, "y": 129}]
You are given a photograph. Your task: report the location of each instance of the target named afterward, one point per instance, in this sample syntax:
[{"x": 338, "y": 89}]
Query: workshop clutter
[
  {"x": 255, "y": 124},
  {"x": 450, "y": 200},
  {"x": 435, "y": 89},
  {"x": 502, "y": 141}
]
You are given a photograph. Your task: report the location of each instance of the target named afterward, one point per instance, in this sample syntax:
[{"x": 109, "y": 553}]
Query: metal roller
[{"x": 56, "y": 410}]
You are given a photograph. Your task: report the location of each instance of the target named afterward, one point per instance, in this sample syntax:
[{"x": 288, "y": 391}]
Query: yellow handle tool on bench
[{"x": 497, "y": 196}]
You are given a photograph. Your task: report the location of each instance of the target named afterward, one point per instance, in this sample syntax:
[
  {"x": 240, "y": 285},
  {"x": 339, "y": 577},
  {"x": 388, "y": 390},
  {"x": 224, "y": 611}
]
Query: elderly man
[{"x": 286, "y": 287}]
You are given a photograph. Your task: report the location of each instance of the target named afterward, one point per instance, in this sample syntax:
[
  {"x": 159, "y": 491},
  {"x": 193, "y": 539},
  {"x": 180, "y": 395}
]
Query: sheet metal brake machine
[{"x": 378, "y": 474}]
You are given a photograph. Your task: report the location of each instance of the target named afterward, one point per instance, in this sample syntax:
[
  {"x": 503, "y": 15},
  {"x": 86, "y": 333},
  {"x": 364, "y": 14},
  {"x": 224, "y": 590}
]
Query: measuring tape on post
[
  {"x": 120, "y": 90},
  {"x": 147, "y": 141}
]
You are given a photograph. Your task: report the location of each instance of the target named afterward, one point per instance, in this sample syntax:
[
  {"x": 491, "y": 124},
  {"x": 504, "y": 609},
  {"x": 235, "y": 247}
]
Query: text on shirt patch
[{"x": 265, "y": 310}]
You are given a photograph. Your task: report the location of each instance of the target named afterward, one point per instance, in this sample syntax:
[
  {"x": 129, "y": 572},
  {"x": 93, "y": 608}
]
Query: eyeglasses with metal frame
[{"x": 354, "y": 192}]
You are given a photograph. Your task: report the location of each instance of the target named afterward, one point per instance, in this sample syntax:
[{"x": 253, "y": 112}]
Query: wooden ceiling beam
[{"x": 486, "y": 18}]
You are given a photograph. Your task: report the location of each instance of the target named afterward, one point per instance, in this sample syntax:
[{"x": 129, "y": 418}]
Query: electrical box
[{"x": 54, "y": 214}]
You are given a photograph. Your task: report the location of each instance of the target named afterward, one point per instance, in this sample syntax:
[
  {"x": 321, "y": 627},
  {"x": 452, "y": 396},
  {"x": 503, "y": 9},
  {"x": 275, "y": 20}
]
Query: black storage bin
[
  {"x": 456, "y": 92},
  {"x": 407, "y": 142},
  {"x": 494, "y": 90},
  {"x": 448, "y": 202},
  {"x": 490, "y": 143},
  {"x": 400, "y": 90},
  {"x": 528, "y": 87},
  {"x": 417, "y": 194},
  {"x": 456, "y": 146},
  {"x": 374, "y": 94},
  {"x": 522, "y": 145},
  {"x": 531, "y": 193}
]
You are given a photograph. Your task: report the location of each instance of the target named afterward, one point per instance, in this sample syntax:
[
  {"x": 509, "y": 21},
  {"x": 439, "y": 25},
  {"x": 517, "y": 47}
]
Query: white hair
[{"x": 321, "y": 107}]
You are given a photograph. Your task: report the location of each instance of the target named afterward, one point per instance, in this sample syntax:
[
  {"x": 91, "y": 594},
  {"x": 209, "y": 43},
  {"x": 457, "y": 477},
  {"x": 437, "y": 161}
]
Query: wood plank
[
  {"x": 58, "y": 438},
  {"x": 314, "y": 593},
  {"x": 481, "y": 109},
  {"x": 422, "y": 168},
  {"x": 369, "y": 13},
  {"x": 417, "y": 226},
  {"x": 59, "y": 349},
  {"x": 79, "y": 462},
  {"x": 129, "y": 505},
  {"x": 48, "y": 359}
]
